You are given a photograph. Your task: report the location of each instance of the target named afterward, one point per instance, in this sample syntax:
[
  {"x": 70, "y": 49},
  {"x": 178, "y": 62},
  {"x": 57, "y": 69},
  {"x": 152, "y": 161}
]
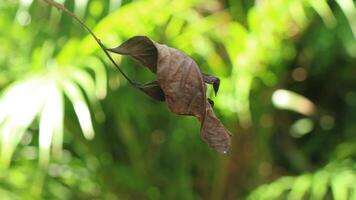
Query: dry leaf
[
  {"x": 180, "y": 83},
  {"x": 152, "y": 89}
]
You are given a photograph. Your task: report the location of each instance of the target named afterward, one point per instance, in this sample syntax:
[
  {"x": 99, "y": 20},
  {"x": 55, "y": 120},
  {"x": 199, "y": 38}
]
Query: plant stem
[{"x": 64, "y": 9}]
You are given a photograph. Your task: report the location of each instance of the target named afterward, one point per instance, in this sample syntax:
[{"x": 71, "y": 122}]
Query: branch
[{"x": 64, "y": 9}]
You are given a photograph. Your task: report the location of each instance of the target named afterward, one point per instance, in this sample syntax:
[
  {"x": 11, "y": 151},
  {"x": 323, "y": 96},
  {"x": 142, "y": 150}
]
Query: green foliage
[
  {"x": 335, "y": 181},
  {"x": 287, "y": 94}
]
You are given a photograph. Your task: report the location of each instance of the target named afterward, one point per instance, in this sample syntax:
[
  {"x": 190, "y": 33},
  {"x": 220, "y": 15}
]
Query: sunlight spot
[
  {"x": 327, "y": 122},
  {"x": 242, "y": 60},
  {"x": 115, "y": 4},
  {"x": 301, "y": 127},
  {"x": 23, "y": 18},
  {"x": 26, "y": 2},
  {"x": 29, "y": 152},
  {"x": 281, "y": 98},
  {"x": 80, "y": 7},
  {"x": 299, "y": 74},
  {"x": 285, "y": 99}
]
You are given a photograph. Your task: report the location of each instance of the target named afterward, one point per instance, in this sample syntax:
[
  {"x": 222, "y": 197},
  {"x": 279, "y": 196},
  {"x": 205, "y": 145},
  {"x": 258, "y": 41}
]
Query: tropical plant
[{"x": 285, "y": 67}]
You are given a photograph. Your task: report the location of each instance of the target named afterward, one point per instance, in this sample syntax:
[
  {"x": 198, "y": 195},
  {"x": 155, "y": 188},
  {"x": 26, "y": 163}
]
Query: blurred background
[{"x": 72, "y": 128}]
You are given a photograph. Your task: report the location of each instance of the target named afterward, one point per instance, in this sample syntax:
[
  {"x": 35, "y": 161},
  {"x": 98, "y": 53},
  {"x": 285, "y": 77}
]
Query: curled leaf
[
  {"x": 210, "y": 79},
  {"x": 181, "y": 83},
  {"x": 141, "y": 49},
  {"x": 152, "y": 89},
  {"x": 211, "y": 102}
]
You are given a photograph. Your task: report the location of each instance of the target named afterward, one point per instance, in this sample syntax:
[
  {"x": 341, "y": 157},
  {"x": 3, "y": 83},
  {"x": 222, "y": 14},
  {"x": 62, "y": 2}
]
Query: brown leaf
[
  {"x": 141, "y": 48},
  {"x": 182, "y": 83},
  {"x": 210, "y": 79},
  {"x": 152, "y": 89},
  {"x": 214, "y": 132},
  {"x": 211, "y": 102}
]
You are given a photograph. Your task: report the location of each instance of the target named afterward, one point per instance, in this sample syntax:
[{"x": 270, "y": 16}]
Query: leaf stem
[{"x": 64, "y": 9}]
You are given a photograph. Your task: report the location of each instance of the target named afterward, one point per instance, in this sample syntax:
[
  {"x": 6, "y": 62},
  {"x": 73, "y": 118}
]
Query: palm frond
[
  {"x": 51, "y": 123},
  {"x": 81, "y": 109},
  {"x": 41, "y": 95},
  {"x": 20, "y": 104}
]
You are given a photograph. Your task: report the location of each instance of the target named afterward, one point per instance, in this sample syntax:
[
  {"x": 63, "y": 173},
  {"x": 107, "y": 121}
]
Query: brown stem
[{"x": 64, "y": 9}]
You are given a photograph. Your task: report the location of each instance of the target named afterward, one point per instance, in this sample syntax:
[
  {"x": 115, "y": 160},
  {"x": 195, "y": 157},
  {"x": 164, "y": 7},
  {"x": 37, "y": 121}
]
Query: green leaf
[
  {"x": 50, "y": 127},
  {"x": 80, "y": 106},
  {"x": 20, "y": 104}
]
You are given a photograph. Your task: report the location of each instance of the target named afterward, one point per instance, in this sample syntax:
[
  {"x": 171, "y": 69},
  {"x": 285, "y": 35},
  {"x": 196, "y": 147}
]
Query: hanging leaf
[
  {"x": 210, "y": 79},
  {"x": 141, "y": 49},
  {"x": 181, "y": 83},
  {"x": 152, "y": 89},
  {"x": 211, "y": 102}
]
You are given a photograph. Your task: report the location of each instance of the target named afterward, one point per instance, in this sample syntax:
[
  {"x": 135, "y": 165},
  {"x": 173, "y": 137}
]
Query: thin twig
[{"x": 64, "y": 9}]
